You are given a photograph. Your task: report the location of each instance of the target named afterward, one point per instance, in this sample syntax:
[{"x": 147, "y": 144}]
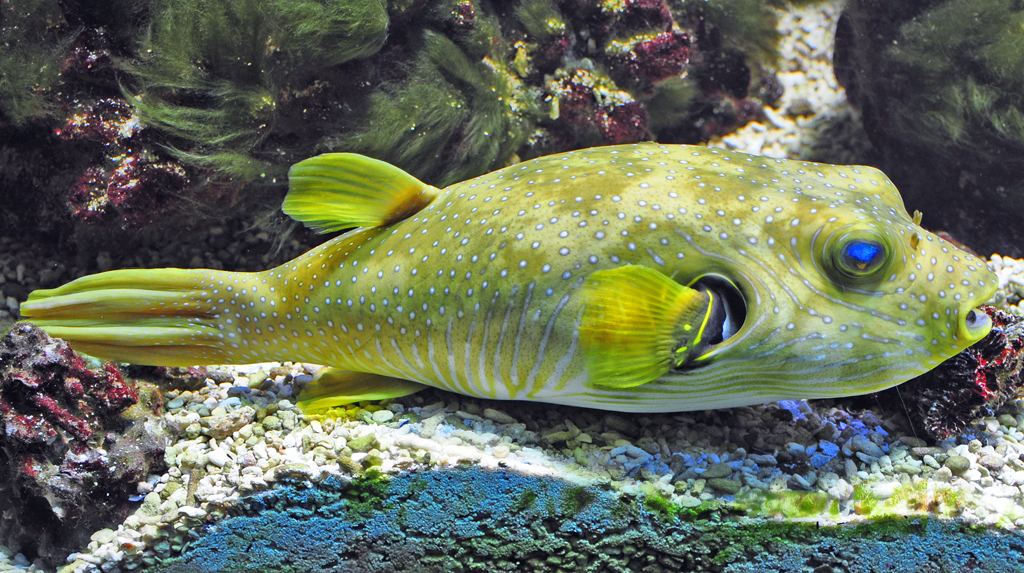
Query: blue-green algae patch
[{"x": 480, "y": 520}]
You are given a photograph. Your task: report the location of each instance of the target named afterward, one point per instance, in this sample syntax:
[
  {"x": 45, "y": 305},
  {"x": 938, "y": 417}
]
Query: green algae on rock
[
  {"x": 939, "y": 85},
  {"x": 225, "y": 94},
  {"x": 483, "y": 523}
]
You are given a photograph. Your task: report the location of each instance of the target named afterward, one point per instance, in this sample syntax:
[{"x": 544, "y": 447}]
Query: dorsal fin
[{"x": 336, "y": 191}]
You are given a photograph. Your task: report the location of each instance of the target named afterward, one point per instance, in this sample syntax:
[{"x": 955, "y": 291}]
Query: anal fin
[
  {"x": 638, "y": 324},
  {"x": 332, "y": 387}
]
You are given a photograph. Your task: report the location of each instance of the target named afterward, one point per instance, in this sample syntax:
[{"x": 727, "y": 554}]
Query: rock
[
  {"x": 218, "y": 457},
  {"x": 272, "y": 423},
  {"x": 957, "y": 464},
  {"x": 867, "y": 447},
  {"x": 498, "y": 416},
  {"x": 220, "y": 427},
  {"x": 383, "y": 416},
  {"x": 76, "y": 441},
  {"x": 724, "y": 485},
  {"x": 621, "y": 425},
  {"x": 991, "y": 462},
  {"x": 689, "y": 501},
  {"x": 364, "y": 443},
  {"x": 913, "y": 442},
  {"x": 721, "y": 470}
]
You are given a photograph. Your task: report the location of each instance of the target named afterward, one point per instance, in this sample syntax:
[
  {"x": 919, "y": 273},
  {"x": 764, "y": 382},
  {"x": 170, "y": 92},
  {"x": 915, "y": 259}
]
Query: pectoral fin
[
  {"x": 333, "y": 387},
  {"x": 638, "y": 324}
]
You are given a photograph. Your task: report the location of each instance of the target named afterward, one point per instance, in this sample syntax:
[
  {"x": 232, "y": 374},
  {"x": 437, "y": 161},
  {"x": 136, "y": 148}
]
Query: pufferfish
[{"x": 637, "y": 278}]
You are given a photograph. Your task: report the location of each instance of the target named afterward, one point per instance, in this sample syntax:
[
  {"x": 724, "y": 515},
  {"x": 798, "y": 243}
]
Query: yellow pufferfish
[{"x": 639, "y": 278}]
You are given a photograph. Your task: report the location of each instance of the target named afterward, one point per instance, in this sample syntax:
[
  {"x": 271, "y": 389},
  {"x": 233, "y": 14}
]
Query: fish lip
[{"x": 974, "y": 323}]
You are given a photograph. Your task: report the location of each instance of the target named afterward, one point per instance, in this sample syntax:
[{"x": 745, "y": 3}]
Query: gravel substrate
[{"x": 243, "y": 433}]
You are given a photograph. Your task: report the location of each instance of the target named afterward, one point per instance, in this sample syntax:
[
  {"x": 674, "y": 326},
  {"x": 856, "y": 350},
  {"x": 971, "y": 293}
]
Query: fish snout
[{"x": 974, "y": 325}]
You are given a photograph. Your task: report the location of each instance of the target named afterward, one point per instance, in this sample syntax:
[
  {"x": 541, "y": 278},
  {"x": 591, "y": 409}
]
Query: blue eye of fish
[
  {"x": 863, "y": 256},
  {"x": 857, "y": 256}
]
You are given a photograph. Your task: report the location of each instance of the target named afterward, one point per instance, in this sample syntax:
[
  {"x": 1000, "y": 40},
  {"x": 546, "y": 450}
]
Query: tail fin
[{"x": 160, "y": 317}]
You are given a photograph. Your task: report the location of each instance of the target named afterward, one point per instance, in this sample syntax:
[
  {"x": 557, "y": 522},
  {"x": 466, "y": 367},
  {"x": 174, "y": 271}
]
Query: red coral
[
  {"x": 62, "y": 422},
  {"x": 648, "y": 14},
  {"x": 972, "y": 384},
  {"x": 623, "y": 123},
  {"x": 663, "y": 56},
  {"x": 88, "y": 198},
  {"x": 127, "y": 183},
  {"x": 110, "y": 121},
  {"x": 653, "y": 59},
  {"x": 137, "y": 191},
  {"x": 612, "y": 123}
]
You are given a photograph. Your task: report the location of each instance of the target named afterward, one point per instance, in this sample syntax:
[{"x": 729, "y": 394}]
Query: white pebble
[
  {"x": 383, "y": 416},
  {"x": 218, "y": 457}
]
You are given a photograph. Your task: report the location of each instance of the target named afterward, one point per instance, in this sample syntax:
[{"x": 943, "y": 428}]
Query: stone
[
  {"x": 724, "y": 485},
  {"x": 498, "y": 416},
  {"x": 272, "y": 423},
  {"x": 991, "y": 462},
  {"x": 913, "y": 441},
  {"x": 957, "y": 464},
  {"x": 220, "y": 427},
  {"x": 364, "y": 443},
  {"x": 721, "y": 470},
  {"x": 383, "y": 416},
  {"x": 867, "y": 447},
  {"x": 218, "y": 457},
  {"x": 689, "y": 501}
]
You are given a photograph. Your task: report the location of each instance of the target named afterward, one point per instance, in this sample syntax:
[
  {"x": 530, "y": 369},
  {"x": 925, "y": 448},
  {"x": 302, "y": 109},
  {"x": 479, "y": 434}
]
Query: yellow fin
[
  {"x": 160, "y": 317},
  {"x": 333, "y": 387},
  {"x": 638, "y": 324},
  {"x": 336, "y": 191}
]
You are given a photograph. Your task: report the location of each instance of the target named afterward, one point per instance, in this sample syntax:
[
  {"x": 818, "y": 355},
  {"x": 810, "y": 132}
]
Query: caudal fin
[{"x": 160, "y": 317}]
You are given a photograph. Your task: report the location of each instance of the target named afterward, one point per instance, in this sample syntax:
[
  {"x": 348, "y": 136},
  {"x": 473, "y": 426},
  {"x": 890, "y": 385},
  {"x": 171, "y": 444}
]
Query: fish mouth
[
  {"x": 728, "y": 309},
  {"x": 975, "y": 324}
]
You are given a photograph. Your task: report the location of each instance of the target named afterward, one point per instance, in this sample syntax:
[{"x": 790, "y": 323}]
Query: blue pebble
[
  {"x": 828, "y": 448},
  {"x": 818, "y": 460}
]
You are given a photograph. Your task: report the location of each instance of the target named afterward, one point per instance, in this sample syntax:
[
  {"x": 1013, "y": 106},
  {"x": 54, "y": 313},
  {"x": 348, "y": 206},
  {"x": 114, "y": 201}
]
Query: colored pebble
[{"x": 957, "y": 464}]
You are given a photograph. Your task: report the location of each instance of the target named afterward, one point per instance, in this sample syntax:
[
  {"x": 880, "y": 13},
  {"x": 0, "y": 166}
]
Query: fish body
[{"x": 633, "y": 278}]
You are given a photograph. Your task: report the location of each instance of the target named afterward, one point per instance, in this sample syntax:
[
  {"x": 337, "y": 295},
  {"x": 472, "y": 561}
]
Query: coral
[
  {"x": 70, "y": 454},
  {"x": 593, "y": 112},
  {"x": 939, "y": 85},
  {"x": 969, "y": 386},
  {"x": 134, "y": 188},
  {"x": 505, "y": 521},
  {"x": 176, "y": 110}
]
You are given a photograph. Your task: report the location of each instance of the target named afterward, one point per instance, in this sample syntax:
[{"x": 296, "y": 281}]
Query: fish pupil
[{"x": 863, "y": 255}]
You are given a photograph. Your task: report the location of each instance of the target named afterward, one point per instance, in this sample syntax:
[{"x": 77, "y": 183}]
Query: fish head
[{"x": 831, "y": 287}]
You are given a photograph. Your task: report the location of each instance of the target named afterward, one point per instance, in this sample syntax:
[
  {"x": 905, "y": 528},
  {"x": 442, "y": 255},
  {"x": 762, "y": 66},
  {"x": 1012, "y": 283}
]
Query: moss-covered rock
[
  {"x": 197, "y": 108},
  {"x": 941, "y": 88},
  {"x": 480, "y": 520}
]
